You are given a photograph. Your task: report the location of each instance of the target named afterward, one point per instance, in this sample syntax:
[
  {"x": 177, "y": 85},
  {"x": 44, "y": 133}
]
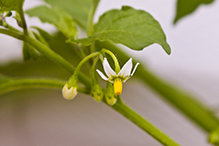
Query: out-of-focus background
[{"x": 42, "y": 117}]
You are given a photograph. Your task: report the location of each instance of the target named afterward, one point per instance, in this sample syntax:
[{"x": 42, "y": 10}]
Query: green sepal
[{"x": 72, "y": 82}]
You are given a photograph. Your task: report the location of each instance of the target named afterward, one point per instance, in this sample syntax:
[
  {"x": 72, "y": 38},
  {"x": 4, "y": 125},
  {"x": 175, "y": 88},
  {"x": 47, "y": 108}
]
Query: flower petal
[
  {"x": 126, "y": 69},
  {"x": 102, "y": 75},
  {"x": 108, "y": 70},
  {"x": 135, "y": 69}
]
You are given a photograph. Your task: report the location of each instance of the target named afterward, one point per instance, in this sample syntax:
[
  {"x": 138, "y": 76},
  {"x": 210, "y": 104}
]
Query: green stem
[
  {"x": 143, "y": 124},
  {"x": 12, "y": 28},
  {"x": 92, "y": 48},
  {"x": 73, "y": 79},
  {"x": 48, "y": 53},
  {"x": 91, "y": 16},
  {"x": 184, "y": 102},
  {"x": 12, "y": 33},
  {"x": 93, "y": 70},
  {"x": 77, "y": 70},
  {"x": 16, "y": 84},
  {"x": 24, "y": 24},
  {"x": 79, "y": 50},
  {"x": 117, "y": 66}
]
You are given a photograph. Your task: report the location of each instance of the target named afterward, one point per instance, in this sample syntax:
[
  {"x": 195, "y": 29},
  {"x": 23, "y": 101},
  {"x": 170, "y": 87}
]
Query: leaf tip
[
  {"x": 175, "y": 20},
  {"x": 167, "y": 48},
  {"x": 126, "y": 8}
]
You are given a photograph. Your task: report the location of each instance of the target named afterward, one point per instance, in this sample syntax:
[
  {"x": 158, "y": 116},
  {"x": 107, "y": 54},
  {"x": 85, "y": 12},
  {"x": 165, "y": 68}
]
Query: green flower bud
[
  {"x": 97, "y": 92},
  {"x": 110, "y": 96}
]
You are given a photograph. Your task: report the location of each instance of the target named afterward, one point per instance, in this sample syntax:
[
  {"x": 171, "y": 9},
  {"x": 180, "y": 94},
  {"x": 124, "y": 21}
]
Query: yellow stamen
[{"x": 118, "y": 86}]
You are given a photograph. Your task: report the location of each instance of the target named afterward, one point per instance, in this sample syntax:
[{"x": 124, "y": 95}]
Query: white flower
[
  {"x": 69, "y": 93},
  {"x": 117, "y": 78}
]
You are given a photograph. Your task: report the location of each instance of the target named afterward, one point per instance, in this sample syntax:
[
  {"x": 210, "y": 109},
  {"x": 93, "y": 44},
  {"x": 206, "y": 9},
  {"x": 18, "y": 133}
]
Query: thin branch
[
  {"x": 25, "y": 83},
  {"x": 48, "y": 53}
]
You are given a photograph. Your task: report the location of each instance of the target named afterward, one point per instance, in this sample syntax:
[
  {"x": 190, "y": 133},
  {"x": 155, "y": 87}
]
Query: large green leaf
[
  {"x": 80, "y": 10},
  {"x": 11, "y": 5},
  {"x": 185, "y": 7},
  {"x": 135, "y": 29},
  {"x": 57, "y": 17}
]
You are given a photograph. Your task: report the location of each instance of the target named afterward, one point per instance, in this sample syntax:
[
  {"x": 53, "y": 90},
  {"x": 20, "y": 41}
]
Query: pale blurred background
[{"x": 43, "y": 117}]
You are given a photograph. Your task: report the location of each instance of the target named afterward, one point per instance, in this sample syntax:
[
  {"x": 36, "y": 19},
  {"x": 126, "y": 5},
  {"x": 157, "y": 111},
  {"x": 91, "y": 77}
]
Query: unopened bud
[
  {"x": 111, "y": 100},
  {"x": 69, "y": 93},
  {"x": 110, "y": 95},
  {"x": 97, "y": 92}
]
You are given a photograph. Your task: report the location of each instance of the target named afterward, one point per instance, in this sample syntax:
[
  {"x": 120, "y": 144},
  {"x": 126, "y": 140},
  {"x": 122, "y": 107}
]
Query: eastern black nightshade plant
[{"x": 135, "y": 29}]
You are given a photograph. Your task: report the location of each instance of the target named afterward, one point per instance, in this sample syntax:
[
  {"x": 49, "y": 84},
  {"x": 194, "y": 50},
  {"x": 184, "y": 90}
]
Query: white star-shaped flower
[{"x": 117, "y": 78}]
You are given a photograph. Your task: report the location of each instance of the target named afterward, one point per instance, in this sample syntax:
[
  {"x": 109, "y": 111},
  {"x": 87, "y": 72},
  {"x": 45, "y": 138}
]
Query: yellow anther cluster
[{"x": 118, "y": 86}]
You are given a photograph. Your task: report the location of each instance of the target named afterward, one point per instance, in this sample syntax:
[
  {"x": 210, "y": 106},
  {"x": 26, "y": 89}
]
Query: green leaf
[
  {"x": 11, "y": 5},
  {"x": 135, "y": 29},
  {"x": 43, "y": 33},
  {"x": 186, "y": 7},
  {"x": 78, "y": 9},
  {"x": 14, "y": 5},
  {"x": 40, "y": 39},
  {"x": 57, "y": 17}
]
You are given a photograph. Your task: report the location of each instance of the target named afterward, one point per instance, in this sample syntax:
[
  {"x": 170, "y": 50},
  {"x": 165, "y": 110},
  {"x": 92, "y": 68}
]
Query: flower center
[{"x": 118, "y": 86}]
